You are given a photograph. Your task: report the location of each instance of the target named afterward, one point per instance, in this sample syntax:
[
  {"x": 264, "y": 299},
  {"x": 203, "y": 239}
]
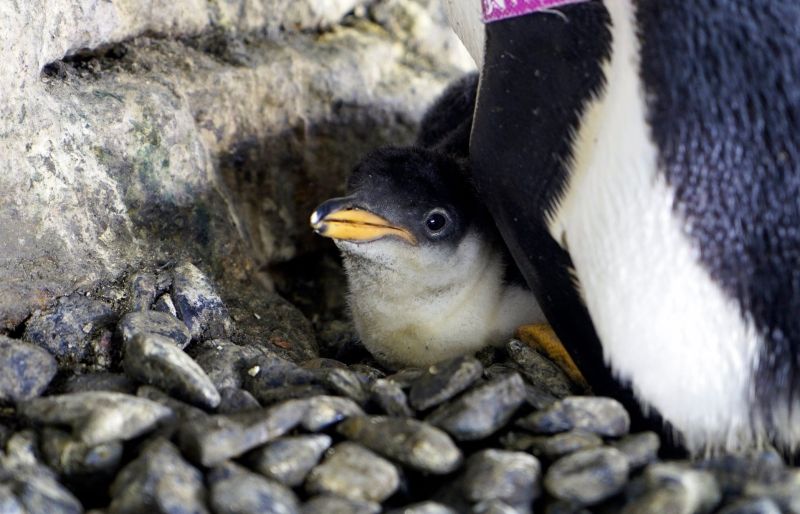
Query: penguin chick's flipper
[{"x": 541, "y": 337}]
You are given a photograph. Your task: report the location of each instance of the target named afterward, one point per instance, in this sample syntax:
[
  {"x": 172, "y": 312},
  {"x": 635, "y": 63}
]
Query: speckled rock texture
[{"x": 140, "y": 132}]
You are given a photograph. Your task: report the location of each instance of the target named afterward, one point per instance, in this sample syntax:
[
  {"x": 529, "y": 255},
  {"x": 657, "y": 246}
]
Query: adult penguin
[{"x": 641, "y": 160}]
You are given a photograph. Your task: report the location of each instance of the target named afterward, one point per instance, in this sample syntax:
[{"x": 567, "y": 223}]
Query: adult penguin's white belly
[{"x": 676, "y": 201}]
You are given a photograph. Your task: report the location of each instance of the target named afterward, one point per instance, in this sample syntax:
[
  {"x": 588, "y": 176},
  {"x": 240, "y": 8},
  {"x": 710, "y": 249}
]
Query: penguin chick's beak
[{"x": 339, "y": 219}]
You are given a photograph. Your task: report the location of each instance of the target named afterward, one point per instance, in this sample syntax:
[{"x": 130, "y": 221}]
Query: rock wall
[{"x": 143, "y": 132}]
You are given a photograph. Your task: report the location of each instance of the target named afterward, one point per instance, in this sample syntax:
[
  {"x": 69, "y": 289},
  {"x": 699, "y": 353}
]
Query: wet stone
[
  {"x": 155, "y": 360},
  {"x": 68, "y": 330},
  {"x": 587, "y": 477},
  {"x": 159, "y": 480},
  {"x": 235, "y": 490},
  {"x": 97, "y": 417},
  {"x": 233, "y": 399},
  {"x": 408, "y": 441},
  {"x": 213, "y": 439},
  {"x": 72, "y": 458},
  {"x": 154, "y": 322},
  {"x": 443, "y": 381},
  {"x": 165, "y": 304},
  {"x": 142, "y": 291},
  {"x": 224, "y": 362},
  {"x": 390, "y": 398},
  {"x": 99, "y": 381},
  {"x": 602, "y": 416},
  {"x": 324, "y": 411},
  {"x": 27, "y": 370},
  {"x": 198, "y": 304},
  {"x": 559, "y": 445},
  {"x": 539, "y": 371},
  {"x": 332, "y": 504},
  {"x": 352, "y": 471},
  {"x": 428, "y": 507},
  {"x": 289, "y": 459},
  {"x": 640, "y": 449},
  {"x": 481, "y": 411},
  {"x": 511, "y": 477}
]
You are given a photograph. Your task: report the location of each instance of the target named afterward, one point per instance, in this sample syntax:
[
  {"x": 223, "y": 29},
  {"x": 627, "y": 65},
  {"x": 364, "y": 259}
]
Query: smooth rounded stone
[
  {"x": 674, "y": 487},
  {"x": 414, "y": 443},
  {"x": 99, "y": 381},
  {"x": 443, "y": 381},
  {"x": 323, "y": 363},
  {"x": 352, "y": 471},
  {"x": 233, "y": 399},
  {"x": 785, "y": 492},
  {"x": 537, "y": 397},
  {"x": 68, "y": 329},
  {"x": 324, "y": 411},
  {"x": 368, "y": 371},
  {"x": 97, "y": 417},
  {"x": 495, "y": 507},
  {"x": 344, "y": 382},
  {"x": 390, "y": 398},
  {"x": 165, "y": 304},
  {"x": 155, "y": 360},
  {"x": 289, "y": 459},
  {"x": 751, "y": 506},
  {"x": 539, "y": 370},
  {"x": 640, "y": 449},
  {"x": 587, "y": 477},
  {"x": 36, "y": 490},
  {"x": 198, "y": 304},
  {"x": 235, "y": 490},
  {"x": 266, "y": 374},
  {"x": 213, "y": 439},
  {"x": 736, "y": 472},
  {"x": 292, "y": 392},
  {"x": 406, "y": 377},
  {"x": 159, "y": 481},
  {"x": 511, "y": 477},
  {"x": 223, "y": 361},
  {"x": 142, "y": 290},
  {"x": 332, "y": 504},
  {"x": 428, "y": 507},
  {"x": 558, "y": 445},
  {"x": 602, "y": 416},
  {"x": 27, "y": 370},
  {"x": 9, "y": 504},
  {"x": 154, "y": 322},
  {"x": 71, "y": 458},
  {"x": 481, "y": 411}
]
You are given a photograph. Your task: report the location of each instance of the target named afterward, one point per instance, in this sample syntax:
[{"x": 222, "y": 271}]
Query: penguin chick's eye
[{"x": 436, "y": 221}]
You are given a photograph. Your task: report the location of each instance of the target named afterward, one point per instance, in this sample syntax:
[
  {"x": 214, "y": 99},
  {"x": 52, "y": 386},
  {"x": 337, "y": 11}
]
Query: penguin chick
[{"x": 425, "y": 266}]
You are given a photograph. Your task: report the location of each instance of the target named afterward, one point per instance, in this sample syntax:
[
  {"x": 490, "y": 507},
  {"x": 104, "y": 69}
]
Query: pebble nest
[{"x": 156, "y": 402}]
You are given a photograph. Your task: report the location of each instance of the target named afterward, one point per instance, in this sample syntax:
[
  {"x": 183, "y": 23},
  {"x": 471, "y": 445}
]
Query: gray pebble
[
  {"x": 324, "y": 411},
  {"x": 213, "y": 439},
  {"x": 411, "y": 442},
  {"x": 587, "y": 477},
  {"x": 640, "y": 449},
  {"x": 36, "y": 490},
  {"x": 428, "y": 507},
  {"x": 539, "y": 370},
  {"x": 736, "y": 472},
  {"x": 343, "y": 382},
  {"x": 158, "y": 481},
  {"x": 154, "y": 322},
  {"x": 155, "y": 360},
  {"x": 198, "y": 304},
  {"x": 602, "y": 416},
  {"x": 234, "y": 490},
  {"x": 511, "y": 477},
  {"x": 142, "y": 291},
  {"x": 291, "y": 392},
  {"x": 536, "y": 396},
  {"x": 558, "y": 445},
  {"x": 332, "y": 504},
  {"x": 406, "y": 377},
  {"x": 68, "y": 329},
  {"x": 224, "y": 362},
  {"x": 233, "y": 399},
  {"x": 352, "y": 471},
  {"x": 99, "y": 381},
  {"x": 495, "y": 507},
  {"x": 443, "y": 381},
  {"x": 390, "y": 398},
  {"x": 289, "y": 459},
  {"x": 165, "y": 304},
  {"x": 97, "y": 417},
  {"x": 481, "y": 411},
  {"x": 368, "y": 371},
  {"x": 323, "y": 363},
  {"x": 752, "y": 506},
  {"x": 266, "y": 374},
  {"x": 672, "y": 487},
  {"x": 27, "y": 370},
  {"x": 785, "y": 492},
  {"x": 72, "y": 458}
]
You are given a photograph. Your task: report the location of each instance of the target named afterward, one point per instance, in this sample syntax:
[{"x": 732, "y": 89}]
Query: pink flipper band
[{"x": 496, "y": 10}]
